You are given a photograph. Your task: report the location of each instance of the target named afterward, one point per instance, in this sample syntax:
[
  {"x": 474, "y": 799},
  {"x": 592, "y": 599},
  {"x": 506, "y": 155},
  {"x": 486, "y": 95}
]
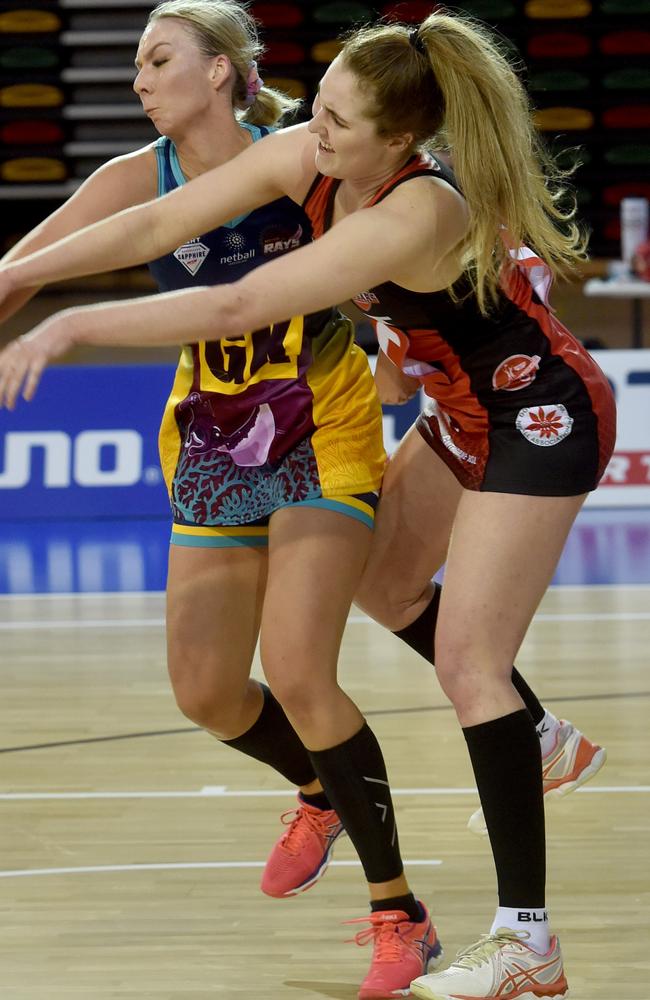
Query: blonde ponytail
[{"x": 462, "y": 94}]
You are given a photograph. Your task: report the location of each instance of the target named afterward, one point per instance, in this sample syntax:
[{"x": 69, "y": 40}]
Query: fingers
[
  {"x": 33, "y": 378},
  {"x": 18, "y": 367}
]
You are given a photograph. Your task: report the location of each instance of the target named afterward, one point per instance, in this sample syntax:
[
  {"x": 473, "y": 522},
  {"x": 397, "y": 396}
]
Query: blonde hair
[
  {"x": 224, "y": 27},
  {"x": 452, "y": 85}
]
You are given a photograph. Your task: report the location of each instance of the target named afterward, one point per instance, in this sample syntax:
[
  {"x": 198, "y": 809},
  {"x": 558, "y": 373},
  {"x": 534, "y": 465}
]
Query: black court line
[{"x": 378, "y": 711}]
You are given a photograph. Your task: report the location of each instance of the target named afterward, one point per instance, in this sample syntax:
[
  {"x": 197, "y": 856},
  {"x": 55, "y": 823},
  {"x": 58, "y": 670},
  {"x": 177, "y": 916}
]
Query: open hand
[{"x": 23, "y": 360}]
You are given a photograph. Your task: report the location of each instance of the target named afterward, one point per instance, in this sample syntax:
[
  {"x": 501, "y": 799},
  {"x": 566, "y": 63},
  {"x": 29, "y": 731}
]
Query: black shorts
[{"x": 551, "y": 434}]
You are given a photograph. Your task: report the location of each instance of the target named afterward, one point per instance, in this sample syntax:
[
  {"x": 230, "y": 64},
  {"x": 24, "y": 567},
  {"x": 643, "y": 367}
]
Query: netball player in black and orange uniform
[{"x": 519, "y": 424}]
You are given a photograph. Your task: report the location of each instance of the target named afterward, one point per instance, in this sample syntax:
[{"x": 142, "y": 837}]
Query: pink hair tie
[{"x": 253, "y": 84}]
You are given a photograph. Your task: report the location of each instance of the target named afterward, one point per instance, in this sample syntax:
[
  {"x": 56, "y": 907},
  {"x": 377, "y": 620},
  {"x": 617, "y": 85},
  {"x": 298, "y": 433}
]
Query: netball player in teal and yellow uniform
[
  {"x": 272, "y": 451},
  {"x": 518, "y": 427}
]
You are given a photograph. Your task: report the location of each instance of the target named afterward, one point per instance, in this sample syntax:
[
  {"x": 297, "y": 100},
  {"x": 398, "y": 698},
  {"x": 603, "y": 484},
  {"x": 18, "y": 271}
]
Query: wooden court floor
[{"x": 131, "y": 844}]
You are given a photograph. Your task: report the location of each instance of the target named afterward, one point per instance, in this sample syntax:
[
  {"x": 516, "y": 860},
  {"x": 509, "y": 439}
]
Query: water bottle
[{"x": 634, "y": 227}]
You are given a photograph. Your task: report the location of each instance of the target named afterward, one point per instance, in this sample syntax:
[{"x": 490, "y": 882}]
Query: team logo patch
[
  {"x": 277, "y": 239},
  {"x": 544, "y": 425},
  {"x": 235, "y": 242},
  {"x": 191, "y": 255},
  {"x": 516, "y": 372},
  {"x": 366, "y": 300}
]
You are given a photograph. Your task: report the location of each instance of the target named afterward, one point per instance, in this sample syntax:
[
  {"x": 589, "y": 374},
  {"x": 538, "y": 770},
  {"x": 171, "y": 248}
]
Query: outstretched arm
[
  {"x": 374, "y": 245},
  {"x": 122, "y": 182},
  {"x": 263, "y": 172}
]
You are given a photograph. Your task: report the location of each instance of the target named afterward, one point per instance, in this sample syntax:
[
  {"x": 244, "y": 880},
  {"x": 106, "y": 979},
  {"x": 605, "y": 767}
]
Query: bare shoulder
[
  {"x": 291, "y": 154},
  {"x": 430, "y": 218},
  {"x": 434, "y": 208},
  {"x": 122, "y": 182}
]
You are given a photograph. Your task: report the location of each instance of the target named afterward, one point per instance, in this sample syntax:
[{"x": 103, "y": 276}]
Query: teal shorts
[{"x": 361, "y": 507}]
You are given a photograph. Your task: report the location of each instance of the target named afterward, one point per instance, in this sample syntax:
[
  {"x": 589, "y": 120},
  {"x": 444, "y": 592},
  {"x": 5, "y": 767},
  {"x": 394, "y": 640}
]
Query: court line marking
[
  {"x": 109, "y": 623},
  {"x": 406, "y": 710},
  {"x": 222, "y": 791},
  {"x": 118, "y": 594},
  {"x": 183, "y": 865}
]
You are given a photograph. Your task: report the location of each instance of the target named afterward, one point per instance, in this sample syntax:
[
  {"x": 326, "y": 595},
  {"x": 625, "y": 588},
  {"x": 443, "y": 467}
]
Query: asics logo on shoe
[{"x": 538, "y": 975}]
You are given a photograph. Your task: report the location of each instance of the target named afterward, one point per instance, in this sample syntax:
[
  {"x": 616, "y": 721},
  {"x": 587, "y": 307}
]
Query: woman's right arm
[
  {"x": 119, "y": 184},
  {"x": 265, "y": 171}
]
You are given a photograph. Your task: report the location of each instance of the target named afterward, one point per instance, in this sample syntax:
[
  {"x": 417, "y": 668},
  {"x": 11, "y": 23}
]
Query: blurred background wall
[{"x": 66, "y": 106}]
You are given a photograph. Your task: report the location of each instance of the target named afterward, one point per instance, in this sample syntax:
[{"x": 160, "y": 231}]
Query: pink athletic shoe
[
  {"x": 403, "y": 950},
  {"x": 301, "y": 856}
]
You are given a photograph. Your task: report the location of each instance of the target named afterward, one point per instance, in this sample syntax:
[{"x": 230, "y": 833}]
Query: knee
[
  {"x": 209, "y": 702},
  {"x": 302, "y": 698},
  {"x": 469, "y": 675},
  {"x": 386, "y": 602}
]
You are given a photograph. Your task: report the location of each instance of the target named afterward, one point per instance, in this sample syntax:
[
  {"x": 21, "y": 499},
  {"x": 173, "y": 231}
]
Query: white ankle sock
[
  {"x": 547, "y": 732},
  {"x": 533, "y": 921}
]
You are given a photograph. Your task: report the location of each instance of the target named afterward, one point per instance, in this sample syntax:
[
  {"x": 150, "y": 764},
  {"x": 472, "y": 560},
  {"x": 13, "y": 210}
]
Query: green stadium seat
[
  {"x": 342, "y": 13},
  {"x": 559, "y": 79},
  {"x": 630, "y": 78},
  {"x": 625, "y": 6},
  {"x": 631, "y": 154},
  {"x": 491, "y": 10},
  {"x": 28, "y": 57}
]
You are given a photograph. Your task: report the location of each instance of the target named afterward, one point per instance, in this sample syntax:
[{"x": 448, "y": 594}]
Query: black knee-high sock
[
  {"x": 507, "y": 767},
  {"x": 354, "y": 777},
  {"x": 273, "y": 741},
  {"x": 419, "y": 635}
]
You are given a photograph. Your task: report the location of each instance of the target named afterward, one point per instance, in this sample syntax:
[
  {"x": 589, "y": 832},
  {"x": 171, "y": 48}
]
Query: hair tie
[
  {"x": 416, "y": 40},
  {"x": 253, "y": 85}
]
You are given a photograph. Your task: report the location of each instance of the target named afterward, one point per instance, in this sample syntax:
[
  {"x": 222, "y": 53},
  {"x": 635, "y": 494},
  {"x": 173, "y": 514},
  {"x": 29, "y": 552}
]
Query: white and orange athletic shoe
[
  {"x": 402, "y": 950},
  {"x": 570, "y": 763},
  {"x": 498, "y": 967},
  {"x": 301, "y": 855}
]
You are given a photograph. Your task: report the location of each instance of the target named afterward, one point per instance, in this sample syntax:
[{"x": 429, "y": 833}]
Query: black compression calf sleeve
[
  {"x": 273, "y": 741},
  {"x": 354, "y": 777},
  {"x": 508, "y": 770}
]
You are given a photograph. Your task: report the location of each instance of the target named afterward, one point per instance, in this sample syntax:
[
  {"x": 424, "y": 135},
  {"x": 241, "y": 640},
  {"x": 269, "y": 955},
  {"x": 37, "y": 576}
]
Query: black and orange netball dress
[{"x": 515, "y": 404}]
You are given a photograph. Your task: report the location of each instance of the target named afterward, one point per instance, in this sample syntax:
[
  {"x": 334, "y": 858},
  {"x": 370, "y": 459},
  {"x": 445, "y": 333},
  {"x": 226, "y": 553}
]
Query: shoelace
[
  {"x": 301, "y": 825},
  {"x": 483, "y": 950},
  {"x": 388, "y": 942}
]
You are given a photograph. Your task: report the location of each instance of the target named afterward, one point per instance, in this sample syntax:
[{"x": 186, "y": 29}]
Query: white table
[{"x": 634, "y": 289}]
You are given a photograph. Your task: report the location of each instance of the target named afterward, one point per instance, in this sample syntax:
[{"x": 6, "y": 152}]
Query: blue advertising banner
[{"x": 86, "y": 446}]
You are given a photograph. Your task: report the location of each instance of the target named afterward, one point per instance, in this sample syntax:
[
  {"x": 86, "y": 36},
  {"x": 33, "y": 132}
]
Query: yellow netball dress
[{"x": 280, "y": 416}]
